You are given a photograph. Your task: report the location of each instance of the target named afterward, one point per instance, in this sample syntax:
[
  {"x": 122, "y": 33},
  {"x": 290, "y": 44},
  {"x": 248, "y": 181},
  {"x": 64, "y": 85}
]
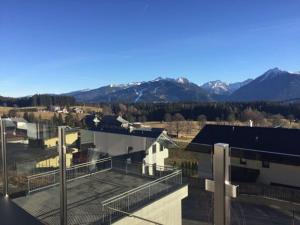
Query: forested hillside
[{"x": 37, "y": 100}]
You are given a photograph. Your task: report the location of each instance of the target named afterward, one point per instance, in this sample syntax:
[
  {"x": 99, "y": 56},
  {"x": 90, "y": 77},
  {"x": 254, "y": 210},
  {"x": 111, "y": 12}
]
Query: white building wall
[
  {"x": 86, "y": 136},
  {"x": 117, "y": 144},
  {"x": 166, "y": 210},
  {"x": 157, "y": 158},
  {"x": 281, "y": 174},
  {"x": 276, "y": 173}
]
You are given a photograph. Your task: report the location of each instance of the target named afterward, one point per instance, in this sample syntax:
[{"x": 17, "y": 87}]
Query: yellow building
[
  {"x": 54, "y": 161},
  {"x": 71, "y": 138}
]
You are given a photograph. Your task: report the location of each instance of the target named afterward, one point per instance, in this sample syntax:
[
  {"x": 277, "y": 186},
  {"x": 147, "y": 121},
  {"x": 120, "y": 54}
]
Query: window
[
  {"x": 154, "y": 148},
  {"x": 265, "y": 164},
  {"x": 243, "y": 161},
  {"x": 129, "y": 149},
  {"x": 161, "y": 147}
]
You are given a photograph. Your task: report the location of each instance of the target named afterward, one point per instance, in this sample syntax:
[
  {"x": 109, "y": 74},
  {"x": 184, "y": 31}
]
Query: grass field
[
  {"x": 4, "y": 110},
  {"x": 47, "y": 115}
]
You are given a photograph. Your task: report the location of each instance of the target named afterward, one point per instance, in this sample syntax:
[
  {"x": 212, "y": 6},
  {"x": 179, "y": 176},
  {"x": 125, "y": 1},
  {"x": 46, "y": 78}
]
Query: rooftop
[
  {"x": 116, "y": 128},
  {"x": 273, "y": 140},
  {"x": 11, "y": 214},
  {"x": 87, "y": 195}
]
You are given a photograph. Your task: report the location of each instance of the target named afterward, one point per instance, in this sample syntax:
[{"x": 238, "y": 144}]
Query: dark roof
[
  {"x": 273, "y": 140},
  {"x": 110, "y": 120},
  {"x": 104, "y": 121},
  {"x": 151, "y": 133},
  {"x": 12, "y": 214}
]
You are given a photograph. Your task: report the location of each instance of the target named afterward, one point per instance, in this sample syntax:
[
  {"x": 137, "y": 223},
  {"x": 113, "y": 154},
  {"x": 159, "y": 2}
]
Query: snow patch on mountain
[
  {"x": 140, "y": 94},
  {"x": 216, "y": 87},
  {"x": 182, "y": 80},
  {"x": 219, "y": 87}
]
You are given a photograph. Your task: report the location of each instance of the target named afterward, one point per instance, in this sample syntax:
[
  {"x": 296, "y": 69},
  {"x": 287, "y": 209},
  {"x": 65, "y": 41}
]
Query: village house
[
  {"x": 146, "y": 145},
  {"x": 258, "y": 154}
]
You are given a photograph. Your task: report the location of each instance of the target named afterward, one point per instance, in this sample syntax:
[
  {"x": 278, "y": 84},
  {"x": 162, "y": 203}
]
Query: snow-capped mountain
[
  {"x": 222, "y": 88},
  {"x": 182, "y": 80},
  {"x": 216, "y": 87},
  {"x": 273, "y": 85},
  {"x": 157, "y": 90}
]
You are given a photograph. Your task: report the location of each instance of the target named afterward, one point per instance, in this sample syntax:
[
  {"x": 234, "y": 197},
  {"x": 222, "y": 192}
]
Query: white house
[
  {"x": 109, "y": 136},
  {"x": 145, "y": 145}
]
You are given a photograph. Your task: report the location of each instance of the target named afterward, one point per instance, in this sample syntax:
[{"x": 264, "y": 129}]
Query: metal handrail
[
  {"x": 129, "y": 201},
  {"x": 54, "y": 173},
  {"x": 108, "y": 201},
  {"x": 72, "y": 167}
]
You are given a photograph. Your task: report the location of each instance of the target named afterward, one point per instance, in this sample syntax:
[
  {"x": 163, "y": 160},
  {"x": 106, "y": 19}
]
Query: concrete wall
[
  {"x": 117, "y": 144},
  {"x": 166, "y": 210},
  {"x": 86, "y": 136}
]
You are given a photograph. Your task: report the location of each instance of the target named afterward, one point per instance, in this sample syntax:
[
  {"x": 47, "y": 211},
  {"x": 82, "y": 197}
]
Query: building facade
[{"x": 265, "y": 155}]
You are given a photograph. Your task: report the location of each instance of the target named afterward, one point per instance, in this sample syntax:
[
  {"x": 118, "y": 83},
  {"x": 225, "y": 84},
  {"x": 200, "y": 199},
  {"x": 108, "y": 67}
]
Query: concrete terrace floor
[
  {"x": 84, "y": 197},
  {"x": 245, "y": 210}
]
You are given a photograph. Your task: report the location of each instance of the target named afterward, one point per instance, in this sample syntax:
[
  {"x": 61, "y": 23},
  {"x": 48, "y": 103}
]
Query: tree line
[
  {"x": 37, "y": 100},
  {"x": 212, "y": 111}
]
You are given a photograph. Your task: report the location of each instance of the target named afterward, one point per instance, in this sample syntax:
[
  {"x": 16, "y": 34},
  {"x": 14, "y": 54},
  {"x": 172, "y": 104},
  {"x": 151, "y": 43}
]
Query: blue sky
[{"x": 55, "y": 46}]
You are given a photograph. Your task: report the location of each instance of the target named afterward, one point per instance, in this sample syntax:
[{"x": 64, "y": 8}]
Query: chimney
[
  {"x": 131, "y": 128},
  {"x": 250, "y": 123}
]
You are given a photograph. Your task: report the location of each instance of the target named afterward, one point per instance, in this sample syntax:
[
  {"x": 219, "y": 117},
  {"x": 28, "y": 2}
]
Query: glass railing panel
[
  {"x": 195, "y": 161},
  {"x": 32, "y": 166},
  {"x": 1, "y": 165},
  {"x": 269, "y": 188},
  {"x": 103, "y": 187}
]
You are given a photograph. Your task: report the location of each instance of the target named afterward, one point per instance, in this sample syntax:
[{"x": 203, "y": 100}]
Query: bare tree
[
  {"x": 254, "y": 115},
  {"x": 168, "y": 117},
  {"x": 291, "y": 118},
  {"x": 201, "y": 120},
  {"x": 231, "y": 117},
  {"x": 188, "y": 126},
  {"x": 177, "y": 123},
  {"x": 106, "y": 110},
  {"x": 277, "y": 120}
]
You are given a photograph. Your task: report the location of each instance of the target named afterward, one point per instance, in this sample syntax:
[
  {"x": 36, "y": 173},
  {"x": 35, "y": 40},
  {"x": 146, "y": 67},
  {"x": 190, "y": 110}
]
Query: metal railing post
[
  {"x": 28, "y": 186},
  {"x": 54, "y": 180},
  {"x": 4, "y": 158},
  {"x": 62, "y": 170}
]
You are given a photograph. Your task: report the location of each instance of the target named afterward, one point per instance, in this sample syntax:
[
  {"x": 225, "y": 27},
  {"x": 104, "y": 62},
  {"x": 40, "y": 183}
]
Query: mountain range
[
  {"x": 222, "y": 88},
  {"x": 158, "y": 90},
  {"x": 273, "y": 85}
]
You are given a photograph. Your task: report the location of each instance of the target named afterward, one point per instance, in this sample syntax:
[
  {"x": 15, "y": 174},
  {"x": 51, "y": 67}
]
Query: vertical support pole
[
  {"x": 221, "y": 162},
  {"x": 227, "y": 183},
  {"x": 4, "y": 159},
  {"x": 62, "y": 172}
]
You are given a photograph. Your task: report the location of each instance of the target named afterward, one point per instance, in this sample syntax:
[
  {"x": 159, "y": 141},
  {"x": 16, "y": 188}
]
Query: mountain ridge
[
  {"x": 273, "y": 85},
  {"x": 157, "y": 90}
]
